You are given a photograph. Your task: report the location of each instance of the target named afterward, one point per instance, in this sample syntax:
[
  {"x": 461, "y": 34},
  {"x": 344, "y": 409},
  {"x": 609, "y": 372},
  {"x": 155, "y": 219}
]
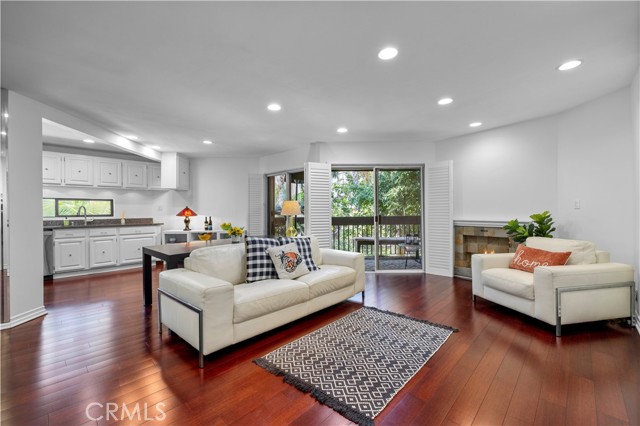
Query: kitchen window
[{"x": 68, "y": 207}]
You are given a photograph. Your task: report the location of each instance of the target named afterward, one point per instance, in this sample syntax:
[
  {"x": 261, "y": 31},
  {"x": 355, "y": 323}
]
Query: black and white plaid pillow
[
  {"x": 259, "y": 264},
  {"x": 304, "y": 247}
]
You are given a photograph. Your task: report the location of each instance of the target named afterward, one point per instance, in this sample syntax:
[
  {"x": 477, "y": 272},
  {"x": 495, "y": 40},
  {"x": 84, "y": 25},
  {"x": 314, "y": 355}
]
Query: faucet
[{"x": 85, "y": 214}]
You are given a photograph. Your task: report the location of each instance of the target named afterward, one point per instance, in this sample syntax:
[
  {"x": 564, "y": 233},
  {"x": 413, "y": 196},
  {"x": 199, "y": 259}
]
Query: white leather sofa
[
  {"x": 209, "y": 304},
  {"x": 588, "y": 288}
]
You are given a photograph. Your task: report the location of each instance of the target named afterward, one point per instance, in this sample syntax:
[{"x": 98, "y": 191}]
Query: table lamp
[
  {"x": 290, "y": 208},
  {"x": 187, "y": 213}
]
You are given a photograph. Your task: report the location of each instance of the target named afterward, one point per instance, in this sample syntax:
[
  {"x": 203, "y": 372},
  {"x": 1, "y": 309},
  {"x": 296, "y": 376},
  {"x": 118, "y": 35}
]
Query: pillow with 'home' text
[{"x": 527, "y": 258}]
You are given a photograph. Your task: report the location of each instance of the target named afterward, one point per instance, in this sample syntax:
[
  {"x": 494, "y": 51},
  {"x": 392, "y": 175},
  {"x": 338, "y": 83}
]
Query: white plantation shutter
[
  {"x": 439, "y": 232},
  {"x": 257, "y": 211},
  {"x": 317, "y": 202}
]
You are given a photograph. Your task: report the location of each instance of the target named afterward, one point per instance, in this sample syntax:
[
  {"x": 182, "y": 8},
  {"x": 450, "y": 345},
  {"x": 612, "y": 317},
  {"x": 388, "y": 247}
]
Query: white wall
[
  {"x": 134, "y": 203},
  {"x": 596, "y": 165},
  {"x": 350, "y": 153},
  {"x": 504, "y": 173},
  {"x": 635, "y": 115},
  {"x": 220, "y": 189},
  {"x": 24, "y": 209},
  {"x": 585, "y": 154},
  {"x": 390, "y": 152}
]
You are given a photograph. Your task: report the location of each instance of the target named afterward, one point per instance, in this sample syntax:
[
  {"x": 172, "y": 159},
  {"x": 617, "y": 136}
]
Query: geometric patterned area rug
[{"x": 358, "y": 363}]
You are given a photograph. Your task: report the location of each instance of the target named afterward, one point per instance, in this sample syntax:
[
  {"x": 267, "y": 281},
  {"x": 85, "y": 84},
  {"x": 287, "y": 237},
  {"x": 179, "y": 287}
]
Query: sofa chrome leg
[
  {"x": 473, "y": 298},
  {"x": 363, "y": 297},
  {"x": 200, "y": 321},
  {"x": 558, "y": 329},
  {"x": 159, "y": 313},
  {"x": 561, "y": 290}
]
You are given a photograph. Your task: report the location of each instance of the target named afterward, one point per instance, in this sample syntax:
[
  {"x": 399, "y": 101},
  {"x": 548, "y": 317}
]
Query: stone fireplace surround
[{"x": 478, "y": 236}]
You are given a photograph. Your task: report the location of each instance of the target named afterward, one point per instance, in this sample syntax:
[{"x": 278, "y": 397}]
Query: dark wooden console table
[{"x": 172, "y": 254}]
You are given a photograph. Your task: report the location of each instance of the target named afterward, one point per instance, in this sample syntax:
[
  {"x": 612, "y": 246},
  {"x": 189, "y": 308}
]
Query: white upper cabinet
[
  {"x": 155, "y": 176},
  {"x": 108, "y": 172},
  {"x": 135, "y": 175},
  {"x": 100, "y": 172},
  {"x": 175, "y": 171},
  {"x": 78, "y": 170},
  {"x": 51, "y": 168}
]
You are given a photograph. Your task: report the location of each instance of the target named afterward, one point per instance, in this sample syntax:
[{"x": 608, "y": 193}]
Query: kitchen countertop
[
  {"x": 49, "y": 225},
  {"x": 99, "y": 225}
]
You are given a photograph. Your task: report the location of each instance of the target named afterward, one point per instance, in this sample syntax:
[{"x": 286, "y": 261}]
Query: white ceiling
[{"x": 175, "y": 73}]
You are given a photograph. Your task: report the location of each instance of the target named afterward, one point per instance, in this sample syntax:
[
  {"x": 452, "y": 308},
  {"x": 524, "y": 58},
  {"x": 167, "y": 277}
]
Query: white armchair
[{"x": 587, "y": 288}]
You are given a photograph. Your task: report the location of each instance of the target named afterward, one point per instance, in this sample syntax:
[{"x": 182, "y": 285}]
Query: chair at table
[{"x": 411, "y": 245}]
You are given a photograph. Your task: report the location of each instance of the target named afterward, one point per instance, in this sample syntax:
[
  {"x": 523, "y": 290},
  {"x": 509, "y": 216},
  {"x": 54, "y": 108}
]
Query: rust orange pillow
[{"x": 527, "y": 258}]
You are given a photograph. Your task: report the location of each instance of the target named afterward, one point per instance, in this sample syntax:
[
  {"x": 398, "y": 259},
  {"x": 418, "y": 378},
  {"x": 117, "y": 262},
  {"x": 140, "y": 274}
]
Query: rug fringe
[
  {"x": 343, "y": 409},
  {"x": 435, "y": 324}
]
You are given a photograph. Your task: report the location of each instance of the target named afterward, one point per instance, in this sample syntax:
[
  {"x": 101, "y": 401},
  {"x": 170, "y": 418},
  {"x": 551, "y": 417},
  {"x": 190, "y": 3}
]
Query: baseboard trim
[
  {"x": 638, "y": 323},
  {"x": 82, "y": 272},
  {"x": 24, "y": 317}
]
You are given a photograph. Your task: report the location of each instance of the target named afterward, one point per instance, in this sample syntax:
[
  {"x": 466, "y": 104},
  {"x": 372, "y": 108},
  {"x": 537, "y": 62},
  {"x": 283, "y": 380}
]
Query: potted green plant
[{"x": 541, "y": 225}]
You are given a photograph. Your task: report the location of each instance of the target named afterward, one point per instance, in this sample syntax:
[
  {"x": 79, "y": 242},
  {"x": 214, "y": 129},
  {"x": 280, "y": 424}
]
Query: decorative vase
[{"x": 236, "y": 239}]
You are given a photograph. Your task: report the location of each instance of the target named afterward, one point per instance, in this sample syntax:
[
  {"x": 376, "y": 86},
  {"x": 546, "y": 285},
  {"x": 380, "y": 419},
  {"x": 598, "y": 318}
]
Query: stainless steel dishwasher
[{"x": 48, "y": 253}]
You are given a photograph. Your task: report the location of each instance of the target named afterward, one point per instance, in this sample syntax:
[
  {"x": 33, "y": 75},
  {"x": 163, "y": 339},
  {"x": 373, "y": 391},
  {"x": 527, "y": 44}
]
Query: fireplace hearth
[{"x": 473, "y": 237}]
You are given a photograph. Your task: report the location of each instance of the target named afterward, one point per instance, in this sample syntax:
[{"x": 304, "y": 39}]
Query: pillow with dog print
[{"x": 288, "y": 261}]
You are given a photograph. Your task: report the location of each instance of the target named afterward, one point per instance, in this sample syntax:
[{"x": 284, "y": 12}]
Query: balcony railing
[{"x": 346, "y": 229}]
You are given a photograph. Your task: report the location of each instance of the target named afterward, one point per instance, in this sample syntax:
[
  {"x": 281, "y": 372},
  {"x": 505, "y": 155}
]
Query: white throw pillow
[
  {"x": 582, "y": 252},
  {"x": 288, "y": 261}
]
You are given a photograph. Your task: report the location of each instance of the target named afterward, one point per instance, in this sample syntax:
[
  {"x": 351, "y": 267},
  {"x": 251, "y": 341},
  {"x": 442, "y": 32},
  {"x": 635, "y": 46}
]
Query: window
[
  {"x": 69, "y": 207},
  {"x": 284, "y": 186}
]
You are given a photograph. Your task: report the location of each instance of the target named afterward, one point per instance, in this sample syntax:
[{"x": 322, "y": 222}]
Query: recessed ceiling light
[
  {"x": 207, "y": 142},
  {"x": 274, "y": 107},
  {"x": 342, "y": 130},
  {"x": 3, "y": 133},
  {"x": 88, "y": 140},
  {"x": 132, "y": 137},
  {"x": 388, "y": 53},
  {"x": 475, "y": 124},
  {"x": 569, "y": 65},
  {"x": 445, "y": 101},
  {"x": 6, "y": 115},
  {"x": 154, "y": 147}
]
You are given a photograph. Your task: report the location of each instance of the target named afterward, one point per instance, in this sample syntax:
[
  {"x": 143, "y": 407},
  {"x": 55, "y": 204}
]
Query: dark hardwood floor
[{"x": 98, "y": 352}]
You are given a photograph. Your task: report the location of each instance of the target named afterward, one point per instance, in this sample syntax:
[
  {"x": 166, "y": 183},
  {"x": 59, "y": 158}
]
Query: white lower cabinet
[
  {"x": 70, "y": 254},
  {"x": 131, "y": 247},
  {"x": 81, "y": 249},
  {"x": 103, "y": 251}
]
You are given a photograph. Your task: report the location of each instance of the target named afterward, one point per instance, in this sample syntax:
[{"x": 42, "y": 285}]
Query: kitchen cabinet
[
  {"x": 78, "y": 170},
  {"x": 175, "y": 171},
  {"x": 108, "y": 172},
  {"x": 155, "y": 176},
  {"x": 51, "y": 168},
  {"x": 100, "y": 172},
  {"x": 103, "y": 247},
  {"x": 75, "y": 250},
  {"x": 69, "y": 250},
  {"x": 135, "y": 175},
  {"x": 133, "y": 239}
]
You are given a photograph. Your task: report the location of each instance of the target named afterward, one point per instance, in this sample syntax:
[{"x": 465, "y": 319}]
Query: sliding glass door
[
  {"x": 398, "y": 203},
  {"x": 378, "y": 211}
]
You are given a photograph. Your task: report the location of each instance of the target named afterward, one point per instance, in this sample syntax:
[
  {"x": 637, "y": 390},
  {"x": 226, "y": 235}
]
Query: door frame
[{"x": 374, "y": 168}]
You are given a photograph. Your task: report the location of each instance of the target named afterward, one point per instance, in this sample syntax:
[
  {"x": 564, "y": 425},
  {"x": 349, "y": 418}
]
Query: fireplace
[{"x": 473, "y": 237}]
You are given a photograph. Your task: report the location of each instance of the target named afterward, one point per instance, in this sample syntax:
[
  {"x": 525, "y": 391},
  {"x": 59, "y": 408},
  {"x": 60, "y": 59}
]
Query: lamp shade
[
  {"x": 290, "y": 208},
  {"x": 186, "y": 212}
]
